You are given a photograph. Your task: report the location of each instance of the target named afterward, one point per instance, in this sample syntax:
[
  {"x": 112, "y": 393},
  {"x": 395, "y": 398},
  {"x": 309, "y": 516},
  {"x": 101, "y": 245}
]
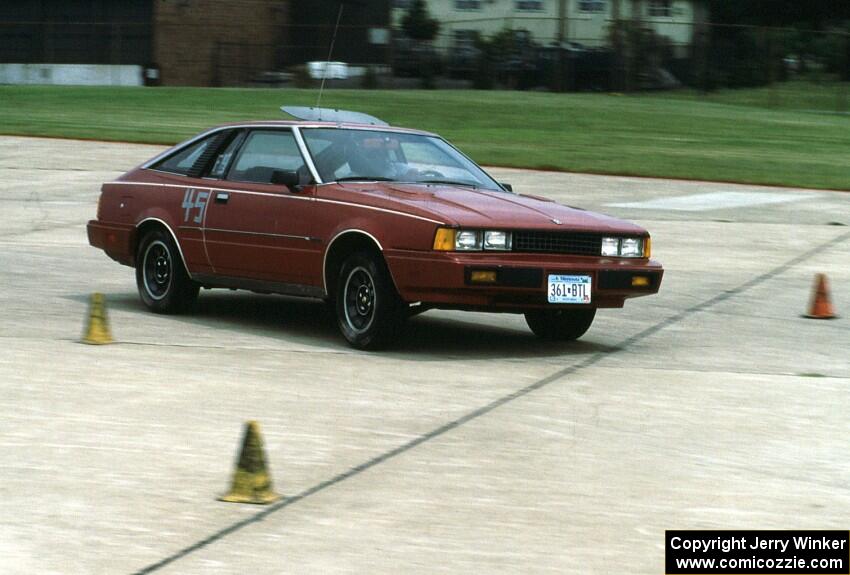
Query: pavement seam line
[{"x": 485, "y": 409}]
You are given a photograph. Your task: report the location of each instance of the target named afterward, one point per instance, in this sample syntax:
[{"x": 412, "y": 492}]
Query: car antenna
[{"x": 328, "y": 61}]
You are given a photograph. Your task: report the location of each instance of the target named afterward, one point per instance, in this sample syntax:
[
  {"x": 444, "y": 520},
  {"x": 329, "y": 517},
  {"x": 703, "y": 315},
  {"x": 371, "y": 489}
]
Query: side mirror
[
  {"x": 288, "y": 178},
  {"x": 508, "y": 187}
]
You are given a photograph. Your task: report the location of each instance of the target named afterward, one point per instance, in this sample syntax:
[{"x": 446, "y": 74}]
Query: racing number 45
[{"x": 194, "y": 200}]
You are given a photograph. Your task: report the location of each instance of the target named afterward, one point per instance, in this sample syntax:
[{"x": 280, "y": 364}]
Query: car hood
[{"x": 477, "y": 208}]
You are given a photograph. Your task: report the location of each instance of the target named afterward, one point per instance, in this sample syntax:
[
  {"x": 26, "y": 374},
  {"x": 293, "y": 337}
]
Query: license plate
[{"x": 569, "y": 289}]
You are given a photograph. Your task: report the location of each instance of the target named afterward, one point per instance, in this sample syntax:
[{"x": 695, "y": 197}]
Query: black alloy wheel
[
  {"x": 157, "y": 270},
  {"x": 368, "y": 308},
  {"x": 162, "y": 280},
  {"x": 359, "y": 300}
]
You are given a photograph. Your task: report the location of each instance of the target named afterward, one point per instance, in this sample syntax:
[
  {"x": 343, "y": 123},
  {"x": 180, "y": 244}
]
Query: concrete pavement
[{"x": 471, "y": 447}]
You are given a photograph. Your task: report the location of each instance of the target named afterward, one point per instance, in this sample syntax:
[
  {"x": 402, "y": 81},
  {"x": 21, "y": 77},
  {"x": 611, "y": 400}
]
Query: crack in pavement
[{"x": 495, "y": 404}]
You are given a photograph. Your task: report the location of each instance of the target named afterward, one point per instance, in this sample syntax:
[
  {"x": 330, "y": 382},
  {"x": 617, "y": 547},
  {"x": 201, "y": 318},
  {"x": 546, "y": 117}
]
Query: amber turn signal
[
  {"x": 647, "y": 247},
  {"x": 640, "y": 281},
  {"x": 482, "y": 277},
  {"x": 444, "y": 240}
]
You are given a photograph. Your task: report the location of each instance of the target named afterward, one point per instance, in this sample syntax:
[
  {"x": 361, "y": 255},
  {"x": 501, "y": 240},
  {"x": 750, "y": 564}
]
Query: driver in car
[{"x": 373, "y": 158}]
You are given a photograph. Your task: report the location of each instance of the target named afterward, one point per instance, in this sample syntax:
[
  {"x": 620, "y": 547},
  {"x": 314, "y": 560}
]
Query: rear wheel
[
  {"x": 368, "y": 309},
  {"x": 164, "y": 285},
  {"x": 560, "y": 324}
]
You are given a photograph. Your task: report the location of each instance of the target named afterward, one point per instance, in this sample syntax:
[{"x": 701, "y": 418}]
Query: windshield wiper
[
  {"x": 365, "y": 179},
  {"x": 449, "y": 182}
]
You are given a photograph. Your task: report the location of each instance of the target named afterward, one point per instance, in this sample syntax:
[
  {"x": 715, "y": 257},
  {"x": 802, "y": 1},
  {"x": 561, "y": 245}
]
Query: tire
[
  {"x": 368, "y": 309},
  {"x": 560, "y": 324},
  {"x": 164, "y": 285}
]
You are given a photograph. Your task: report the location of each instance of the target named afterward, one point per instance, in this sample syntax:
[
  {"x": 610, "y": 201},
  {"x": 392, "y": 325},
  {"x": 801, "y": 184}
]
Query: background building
[
  {"x": 218, "y": 42},
  {"x": 189, "y": 42},
  {"x": 95, "y": 31},
  {"x": 587, "y": 22},
  {"x": 363, "y": 36}
]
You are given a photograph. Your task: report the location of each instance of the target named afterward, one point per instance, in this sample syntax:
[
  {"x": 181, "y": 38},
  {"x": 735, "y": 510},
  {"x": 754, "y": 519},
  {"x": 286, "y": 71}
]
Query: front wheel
[
  {"x": 368, "y": 309},
  {"x": 164, "y": 285},
  {"x": 560, "y": 324}
]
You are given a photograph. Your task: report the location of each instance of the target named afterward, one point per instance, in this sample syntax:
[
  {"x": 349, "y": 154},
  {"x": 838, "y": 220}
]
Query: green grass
[
  {"x": 825, "y": 96},
  {"x": 728, "y": 137}
]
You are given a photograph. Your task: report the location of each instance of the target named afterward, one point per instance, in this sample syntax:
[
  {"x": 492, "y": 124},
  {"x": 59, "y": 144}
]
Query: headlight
[
  {"x": 610, "y": 247},
  {"x": 496, "y": 240},
  {"x": 625, "y": 247},
  {"x": 450, "y": 239},
  {"x": 467, "y": 240},
  {"x": 631, "y": 248}
]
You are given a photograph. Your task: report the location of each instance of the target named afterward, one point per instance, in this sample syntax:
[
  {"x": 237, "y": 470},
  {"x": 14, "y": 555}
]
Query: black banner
[{"x": 757, "y": 552}]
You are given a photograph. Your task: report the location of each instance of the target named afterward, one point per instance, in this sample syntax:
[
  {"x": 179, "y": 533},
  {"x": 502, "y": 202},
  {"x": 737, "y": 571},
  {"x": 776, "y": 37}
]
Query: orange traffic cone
[{"x": 821, "y": 306}]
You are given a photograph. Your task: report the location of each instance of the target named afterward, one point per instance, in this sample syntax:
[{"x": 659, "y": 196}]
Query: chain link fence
[{"x": 770, "y": 67}]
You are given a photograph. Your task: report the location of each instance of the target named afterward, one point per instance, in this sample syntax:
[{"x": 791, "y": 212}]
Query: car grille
[{"x": 558, "y": 243}]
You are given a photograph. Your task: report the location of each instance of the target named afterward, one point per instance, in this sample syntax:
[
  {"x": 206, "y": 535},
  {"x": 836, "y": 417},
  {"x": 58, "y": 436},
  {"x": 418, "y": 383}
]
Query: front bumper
[{"x": 444, "y": 279}]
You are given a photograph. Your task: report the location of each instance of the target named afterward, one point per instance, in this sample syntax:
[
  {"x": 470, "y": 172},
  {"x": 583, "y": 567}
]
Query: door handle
[{"x": 222, "y": 197}]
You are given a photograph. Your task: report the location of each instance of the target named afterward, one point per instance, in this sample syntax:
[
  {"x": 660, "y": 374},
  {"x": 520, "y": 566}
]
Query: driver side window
[{"x": 264, "y": 152}]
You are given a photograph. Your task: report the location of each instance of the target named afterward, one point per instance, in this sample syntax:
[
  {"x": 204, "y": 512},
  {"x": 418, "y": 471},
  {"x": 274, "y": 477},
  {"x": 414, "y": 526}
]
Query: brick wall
[{"x": 216, "y": 42}]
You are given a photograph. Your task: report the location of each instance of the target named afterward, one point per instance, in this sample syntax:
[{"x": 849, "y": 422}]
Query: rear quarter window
[{"x": 182, "y": 161}]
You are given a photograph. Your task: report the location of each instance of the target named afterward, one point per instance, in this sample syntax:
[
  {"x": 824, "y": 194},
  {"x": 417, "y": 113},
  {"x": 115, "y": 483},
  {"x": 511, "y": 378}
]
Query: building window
[
  {"x": 467, "y": 4},
  {"x": 465, "y": 39},
  {"x": 529, "y": 5},
  {"x": 591, "y": 5},
  {"x": 661, "y": 8}
]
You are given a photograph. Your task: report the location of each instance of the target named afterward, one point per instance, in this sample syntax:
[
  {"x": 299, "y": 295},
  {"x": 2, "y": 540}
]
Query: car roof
[
  {"x": 283, "y": 124},
  {"x": 309, "y": 124}
]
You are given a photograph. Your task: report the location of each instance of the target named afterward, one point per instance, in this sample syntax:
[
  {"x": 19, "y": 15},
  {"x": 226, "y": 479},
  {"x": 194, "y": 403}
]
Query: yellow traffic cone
[
  {"x": 252, "y": 482},
  {"x": 97, "y": 329}
]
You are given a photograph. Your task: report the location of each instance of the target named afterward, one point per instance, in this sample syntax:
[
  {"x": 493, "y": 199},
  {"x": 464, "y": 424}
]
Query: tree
[
  {"x": 752, "y": 37},
  {"x": 418, "y": 24},
  {"x": 816, "y": 14}
]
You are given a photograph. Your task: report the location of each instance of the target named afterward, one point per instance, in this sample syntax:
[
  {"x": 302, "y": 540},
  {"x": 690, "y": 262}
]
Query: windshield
[{"x": 345, "y": 154}]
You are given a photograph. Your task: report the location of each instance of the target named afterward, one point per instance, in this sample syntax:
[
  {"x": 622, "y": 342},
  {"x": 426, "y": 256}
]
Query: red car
[{"x": 381, "y": 222}]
